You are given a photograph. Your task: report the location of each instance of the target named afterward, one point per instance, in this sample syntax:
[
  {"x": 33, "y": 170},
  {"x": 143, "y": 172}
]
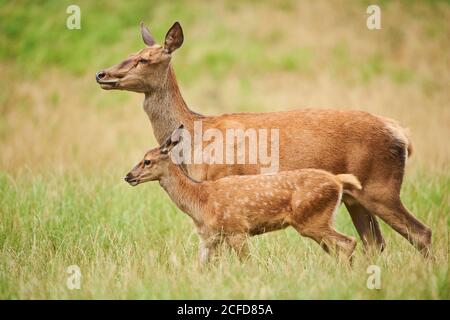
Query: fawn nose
[
  {"x": 128, "y": 177},
  {"x": 100, "y": 75}
]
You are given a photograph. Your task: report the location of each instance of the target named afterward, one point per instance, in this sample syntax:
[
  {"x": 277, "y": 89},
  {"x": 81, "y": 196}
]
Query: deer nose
[
  {"x": 128, "y": 177},
  {"x": 100, "y": 75}
]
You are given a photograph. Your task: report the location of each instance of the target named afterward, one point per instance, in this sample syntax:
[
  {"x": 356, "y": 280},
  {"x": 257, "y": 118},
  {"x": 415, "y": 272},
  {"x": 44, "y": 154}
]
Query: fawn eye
[
  {"x": 147, "y": 162},
  {"x": 143, "y": 61}
]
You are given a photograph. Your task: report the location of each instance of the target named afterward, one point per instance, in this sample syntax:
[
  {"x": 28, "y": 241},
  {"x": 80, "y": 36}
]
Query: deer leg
[
  {"x": 393, "y": 212},
  {"x": 367, "y": 226},
  {"x": 342, "y": 245},
  {"x": 207, "y": 249},
  {"x": 239, "y": 244},
  {"x": 332, "y": 241},
  {"x": 317, "y": 224}
]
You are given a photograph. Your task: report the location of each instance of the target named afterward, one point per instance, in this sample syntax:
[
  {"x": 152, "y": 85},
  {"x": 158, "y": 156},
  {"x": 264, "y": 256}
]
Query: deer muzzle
[
  {"x": 105, "y": 80},
  {"x": 132, "y": 180}
]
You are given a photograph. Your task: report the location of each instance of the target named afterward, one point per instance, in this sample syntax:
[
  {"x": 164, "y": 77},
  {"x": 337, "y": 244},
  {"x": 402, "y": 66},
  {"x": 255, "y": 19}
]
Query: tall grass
[
  {"x": 134, "y": 243},
  {"x": 65, "y": 144}
]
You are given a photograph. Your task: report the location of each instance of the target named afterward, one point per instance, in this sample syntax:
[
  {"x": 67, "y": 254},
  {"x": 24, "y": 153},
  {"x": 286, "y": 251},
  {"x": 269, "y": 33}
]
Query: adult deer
[{"x": 373, "y": 148}]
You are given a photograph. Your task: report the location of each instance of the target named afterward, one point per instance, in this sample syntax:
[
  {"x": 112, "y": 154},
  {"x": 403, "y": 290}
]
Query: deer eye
[
  {"x": 143, "y": 61},
  {"x": 147, "y": 162}
]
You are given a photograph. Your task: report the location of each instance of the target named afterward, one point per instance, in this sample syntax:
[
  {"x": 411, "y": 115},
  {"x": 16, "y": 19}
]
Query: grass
[
  {"x": 66, "y": 144},
  {"x": 134, "y": 243}
]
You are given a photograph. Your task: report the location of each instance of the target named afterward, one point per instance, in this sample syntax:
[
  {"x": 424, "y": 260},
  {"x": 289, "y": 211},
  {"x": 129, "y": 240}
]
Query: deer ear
[
  {"x": 164, "y": 147},
  {"x": 146, "y": 36},
  {"x": 172, "y": 140},
  {"x": 174, "y": 38}
]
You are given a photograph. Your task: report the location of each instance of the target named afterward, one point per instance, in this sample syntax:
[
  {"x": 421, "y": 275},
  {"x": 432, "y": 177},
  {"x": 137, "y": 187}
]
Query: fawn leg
[
  {"x": 207, "y": 249},
  {"x": 332, "y": 241},
  {"x": 342, "y": 246},
  {"x": 239, "y": 244},
  {"x": 313, "y": 218}
]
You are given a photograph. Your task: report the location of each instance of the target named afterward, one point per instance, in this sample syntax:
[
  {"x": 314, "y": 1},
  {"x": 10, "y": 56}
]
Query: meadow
[{"x": 66, "y": 144}]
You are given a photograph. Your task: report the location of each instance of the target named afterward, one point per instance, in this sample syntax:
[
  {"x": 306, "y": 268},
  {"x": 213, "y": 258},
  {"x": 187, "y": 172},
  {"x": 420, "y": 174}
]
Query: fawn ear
[
  {"x": 174, "y": 38},
  {"x": 164, "y": 148},
  {"x": 172, "y": 140},
  {"x": 146, "y": 36}
]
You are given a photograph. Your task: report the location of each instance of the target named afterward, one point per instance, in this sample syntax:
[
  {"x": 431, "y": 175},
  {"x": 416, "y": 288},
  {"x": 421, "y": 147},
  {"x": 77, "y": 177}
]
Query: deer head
[
  {"x": 155, "y": 163},
  {"x": 145, "y": 70}
]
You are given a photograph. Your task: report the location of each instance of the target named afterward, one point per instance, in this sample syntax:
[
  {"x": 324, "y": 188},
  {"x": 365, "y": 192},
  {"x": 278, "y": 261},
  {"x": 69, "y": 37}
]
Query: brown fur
[
  {"x": 232, "y": 208},
  {"x": 371, "y": 147}
]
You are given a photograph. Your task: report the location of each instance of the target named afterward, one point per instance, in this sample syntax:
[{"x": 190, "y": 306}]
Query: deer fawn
[
  {"x": 305, "y": 199},
  {"x": 373, "y": 148}
]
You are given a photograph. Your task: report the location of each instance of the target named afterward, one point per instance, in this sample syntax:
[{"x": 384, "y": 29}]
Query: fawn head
[
  {"x": 155, "y": 164},
  {"x": 145, "y": 70}
]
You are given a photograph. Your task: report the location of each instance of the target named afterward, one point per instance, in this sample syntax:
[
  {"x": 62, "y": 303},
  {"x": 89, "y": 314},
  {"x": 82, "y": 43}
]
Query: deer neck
[
  {"x": 185, "y": 192},
  {"x": 166, "y": 108}
]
